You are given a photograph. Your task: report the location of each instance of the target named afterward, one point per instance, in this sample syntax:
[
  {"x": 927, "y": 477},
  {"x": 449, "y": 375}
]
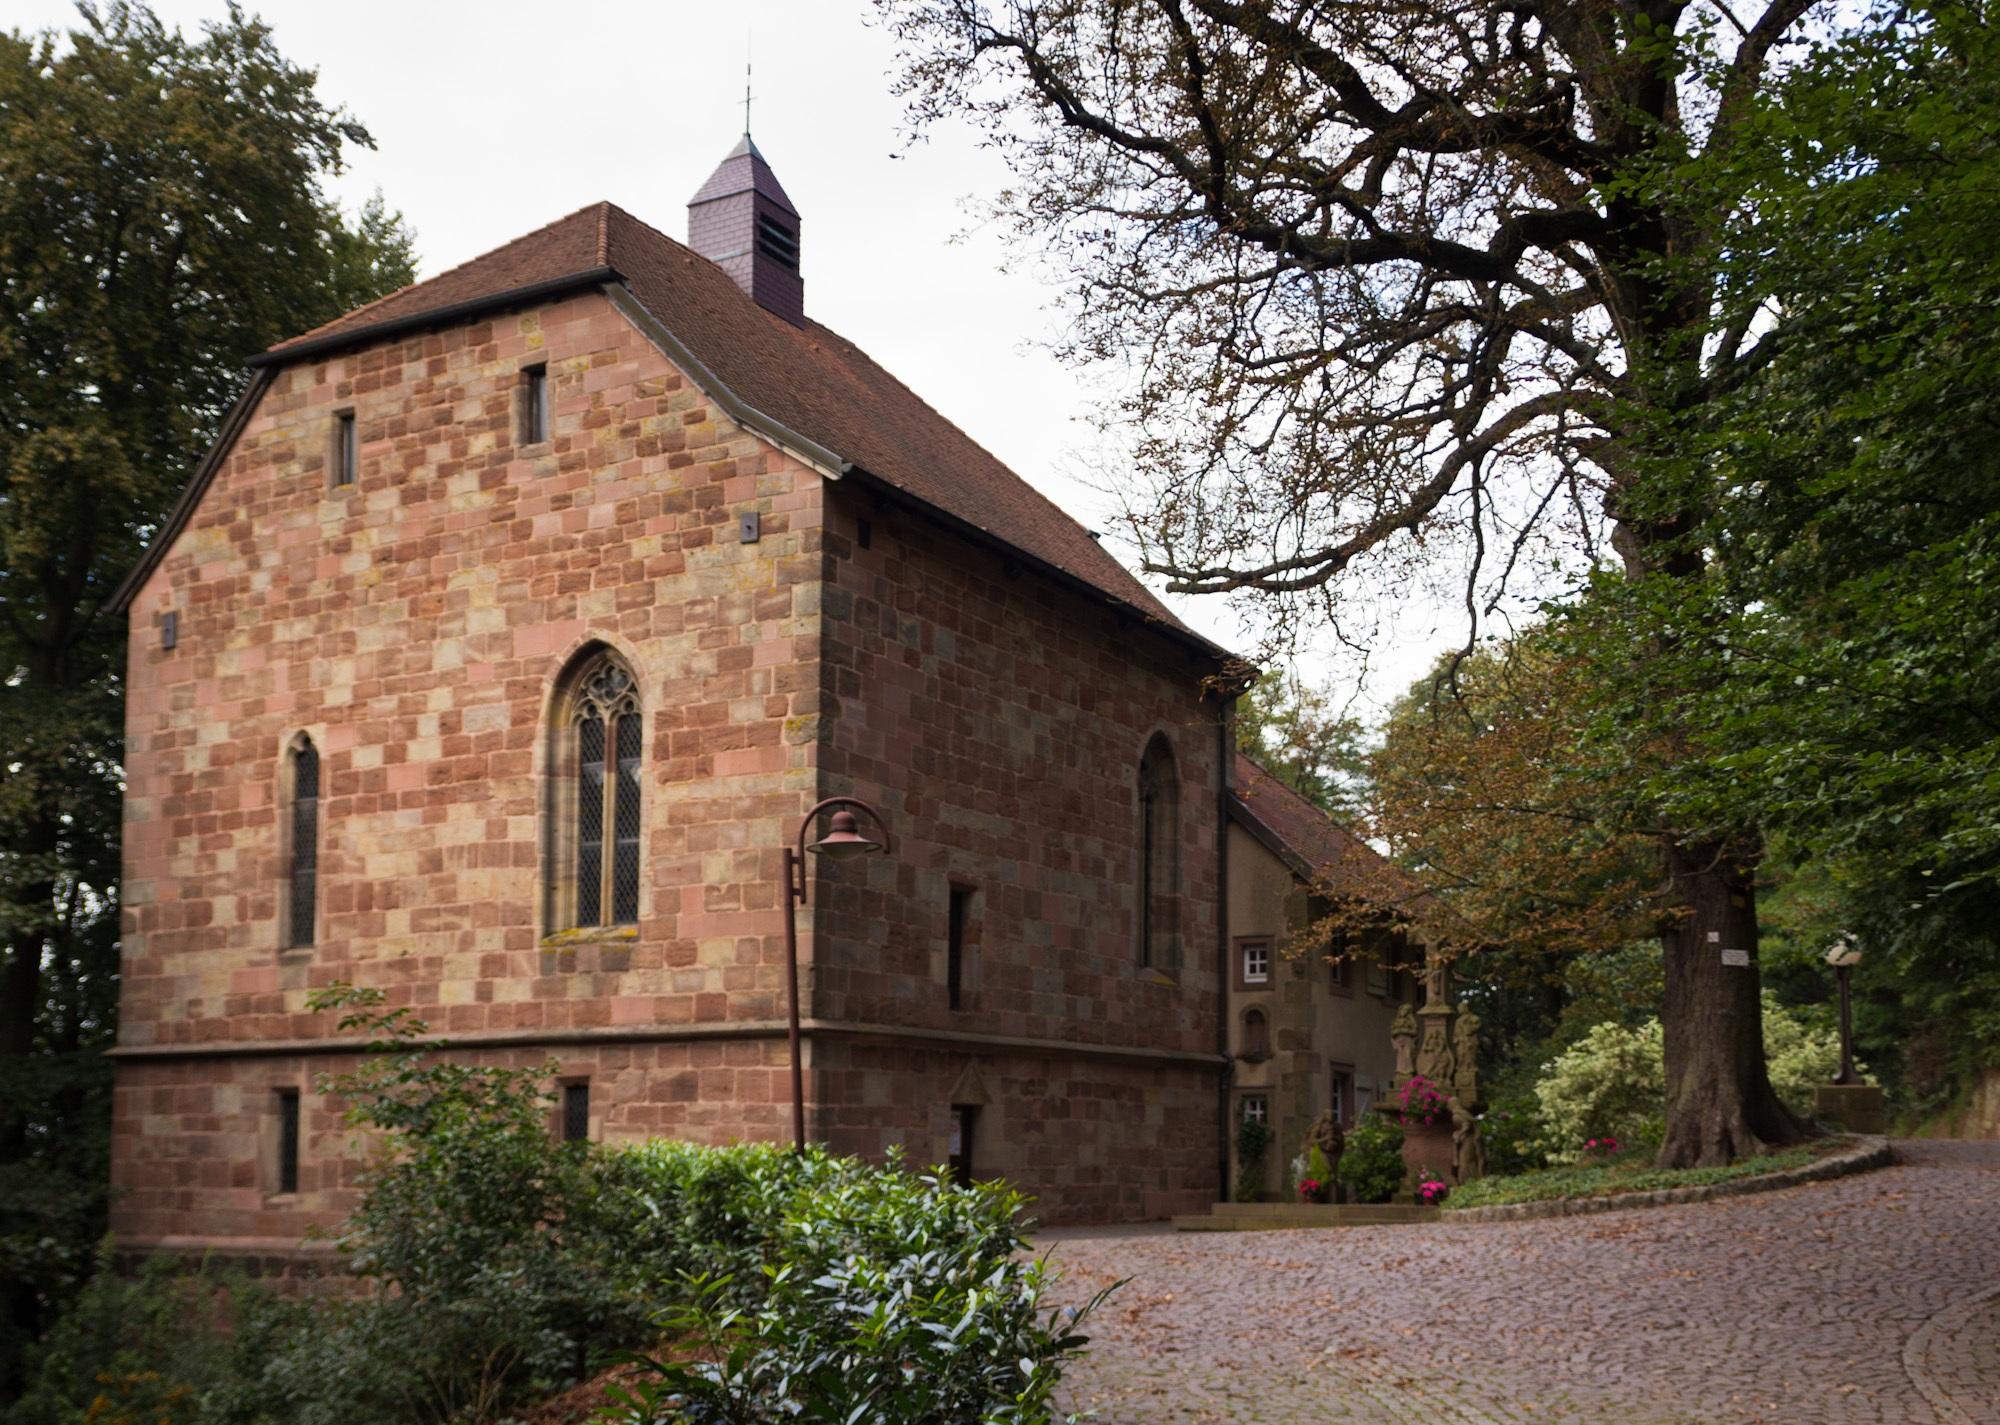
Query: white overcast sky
[{"x": 493, "y": 118}]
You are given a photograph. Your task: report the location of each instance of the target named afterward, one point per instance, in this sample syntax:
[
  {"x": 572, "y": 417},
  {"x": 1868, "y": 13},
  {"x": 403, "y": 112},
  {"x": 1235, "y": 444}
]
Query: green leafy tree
[
  {"x": 1839, "y": 690},
  {"x": 1294, "y": 732},
  {"x": 1408, "y": 285},
  {"x": 162, "y": 218},
  {"x": 1457, "y": 284}
]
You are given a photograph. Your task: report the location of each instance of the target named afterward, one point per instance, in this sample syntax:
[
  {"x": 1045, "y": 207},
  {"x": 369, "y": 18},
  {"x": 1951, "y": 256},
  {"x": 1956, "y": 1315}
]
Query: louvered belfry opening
[
  {"x": 742, "y": 221},
  {"x": 609, "y": 734},
  {"x": 303, "y": 888}
]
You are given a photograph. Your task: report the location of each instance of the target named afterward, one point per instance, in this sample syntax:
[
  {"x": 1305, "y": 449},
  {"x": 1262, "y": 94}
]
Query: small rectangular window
[
  {"x": 1343, "y": 1097},
  {"x": 534, "y": 405},
  {"x": 346, "y": 449},
  {"x": 1256, "y": 962},
  {"x": 960, "y": 915},
  {"x": 576, "y": 1113},
  {"x": 1256, "y": 1108},
  {"x": 170, "y": 629},
  {"x": 288, "y": 1141}
]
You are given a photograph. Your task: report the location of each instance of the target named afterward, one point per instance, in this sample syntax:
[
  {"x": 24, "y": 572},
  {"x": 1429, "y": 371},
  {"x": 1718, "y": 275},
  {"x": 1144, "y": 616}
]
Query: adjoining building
[{"x": 1312, "y": 1001}]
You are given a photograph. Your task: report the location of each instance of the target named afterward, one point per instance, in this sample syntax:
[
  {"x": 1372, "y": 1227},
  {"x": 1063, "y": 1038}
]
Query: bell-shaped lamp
[{"x": 844, "y": 838}]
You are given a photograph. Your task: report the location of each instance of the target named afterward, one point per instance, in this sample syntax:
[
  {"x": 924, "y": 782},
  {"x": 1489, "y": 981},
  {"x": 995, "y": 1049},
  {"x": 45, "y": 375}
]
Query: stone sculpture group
[{"x": 1440, "y": 1045}]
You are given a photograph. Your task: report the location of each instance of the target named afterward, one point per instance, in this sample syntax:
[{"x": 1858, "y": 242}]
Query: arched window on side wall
[
  {"x": 302, "y": 849},
  {"x": 1159, "y": 888},
  {"x": 595, "y": 821},
  {"x": 1256, "y": 1035}
]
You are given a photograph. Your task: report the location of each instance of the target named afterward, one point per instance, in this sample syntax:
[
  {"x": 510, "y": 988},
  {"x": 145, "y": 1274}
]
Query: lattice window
[
  {"x": 302, "y": 889},
  {"x": 575, "y": 1113},
  {"x": 606, "y": 742}
]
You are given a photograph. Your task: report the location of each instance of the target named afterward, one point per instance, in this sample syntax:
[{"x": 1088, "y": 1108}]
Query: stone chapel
[{"x": 492, "y": 658}]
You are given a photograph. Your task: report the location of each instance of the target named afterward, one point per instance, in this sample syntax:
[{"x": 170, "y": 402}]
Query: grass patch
[{"x": 1627, "y": 1172}]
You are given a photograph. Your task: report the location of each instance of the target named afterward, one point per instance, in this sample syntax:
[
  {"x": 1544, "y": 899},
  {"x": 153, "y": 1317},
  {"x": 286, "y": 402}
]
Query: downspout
[{"x": 1225, "y": 759}]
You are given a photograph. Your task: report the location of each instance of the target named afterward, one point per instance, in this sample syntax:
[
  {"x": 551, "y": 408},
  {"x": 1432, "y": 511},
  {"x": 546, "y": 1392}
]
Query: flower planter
[{"x": 1427, "y": 1146}]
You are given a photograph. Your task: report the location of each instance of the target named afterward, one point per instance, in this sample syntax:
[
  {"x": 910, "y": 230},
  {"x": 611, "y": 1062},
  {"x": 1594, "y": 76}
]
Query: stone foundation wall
[
  {"x": 194, "y": 1142},
  {"x": 1090, "y": 1140}
]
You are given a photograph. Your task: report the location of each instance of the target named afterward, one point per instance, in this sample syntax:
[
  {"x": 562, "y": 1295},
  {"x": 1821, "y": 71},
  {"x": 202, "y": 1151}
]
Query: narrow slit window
[
  {"x": 302, "y": 880},
  {"x": 1159, "y": 878},
  {"x": 288, "y": 1141},
  {"x": 534, "y": 405},
  {"x": 964, "y": 1120},
  {"x": 958, "y": 919},
  {"x": 346, "y": 449},
  {"x": 575, "y": 1113}
]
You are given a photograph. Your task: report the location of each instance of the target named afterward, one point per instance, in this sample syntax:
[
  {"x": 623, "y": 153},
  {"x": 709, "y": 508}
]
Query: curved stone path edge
[
  {"x": 1952, "y": 1338},
  {"x": 1867, "y": 1153}
]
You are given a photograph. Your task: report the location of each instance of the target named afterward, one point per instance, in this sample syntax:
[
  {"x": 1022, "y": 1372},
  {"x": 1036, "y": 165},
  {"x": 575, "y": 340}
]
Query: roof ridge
[{"x": 346, "y": 318}]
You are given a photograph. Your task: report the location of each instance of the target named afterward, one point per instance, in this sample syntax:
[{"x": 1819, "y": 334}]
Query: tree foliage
[
  {"x": 1469, "y": 285},
  {"x": 1294, "y": 732},
  {"x": 162, "y": 218}
]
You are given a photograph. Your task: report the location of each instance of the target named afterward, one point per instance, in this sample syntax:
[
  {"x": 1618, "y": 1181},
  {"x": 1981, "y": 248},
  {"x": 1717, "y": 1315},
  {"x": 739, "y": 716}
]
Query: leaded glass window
[
  {"x": 607, "y": 741},
  {"x": 303, "y": 874}
]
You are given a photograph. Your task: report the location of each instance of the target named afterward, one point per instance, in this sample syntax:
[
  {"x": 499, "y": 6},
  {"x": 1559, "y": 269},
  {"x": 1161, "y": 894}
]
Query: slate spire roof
[{"x": 806, "y": 380}]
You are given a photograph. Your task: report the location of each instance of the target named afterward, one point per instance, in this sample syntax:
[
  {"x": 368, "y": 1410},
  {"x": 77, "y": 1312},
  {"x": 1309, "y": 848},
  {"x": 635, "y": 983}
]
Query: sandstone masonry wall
[{"x": 414, "y": 625}]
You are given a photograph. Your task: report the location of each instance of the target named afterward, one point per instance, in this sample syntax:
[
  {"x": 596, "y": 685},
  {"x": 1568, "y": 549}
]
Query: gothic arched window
[
  {"x": 302, "y": 842},
  {"x": 1159, "y": 888},
  {"x": 600, "y": 741}
]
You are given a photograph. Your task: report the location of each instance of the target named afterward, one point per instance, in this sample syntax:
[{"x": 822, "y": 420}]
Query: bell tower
[{"x": 742, "y": 221}]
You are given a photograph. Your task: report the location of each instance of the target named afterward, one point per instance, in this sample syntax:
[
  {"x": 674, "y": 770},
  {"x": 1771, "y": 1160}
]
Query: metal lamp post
[
  {"x": 1844, "y": 955},
  {"x": 843, "y": 839}
]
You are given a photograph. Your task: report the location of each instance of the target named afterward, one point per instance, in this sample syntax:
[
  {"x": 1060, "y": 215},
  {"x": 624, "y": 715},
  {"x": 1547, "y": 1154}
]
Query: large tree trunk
[{"x": 1720, "y": 1104}]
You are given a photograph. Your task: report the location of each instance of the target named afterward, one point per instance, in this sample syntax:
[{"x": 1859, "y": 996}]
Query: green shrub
[
  {"x": 1312, "y": 1176},
  {"x": 902, "y": 1298},
  {"x": 501, "y": 1264},
  {"x": 1372, "y": 1167},
  {"x": 1253, "y": 1141},
  {"x": 1613, "y": 1082},
  {"x": 1511, "y": 1133}
]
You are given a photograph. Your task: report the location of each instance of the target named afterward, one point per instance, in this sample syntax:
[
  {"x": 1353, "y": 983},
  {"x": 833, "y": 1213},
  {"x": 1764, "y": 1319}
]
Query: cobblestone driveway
[{"x": 1870, "y": 1299}]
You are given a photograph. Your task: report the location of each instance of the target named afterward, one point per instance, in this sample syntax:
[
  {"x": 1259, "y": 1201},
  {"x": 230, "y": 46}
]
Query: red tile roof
[
  {"x": 1320, "y": 849},
  {"x": 811, "y": 381}
]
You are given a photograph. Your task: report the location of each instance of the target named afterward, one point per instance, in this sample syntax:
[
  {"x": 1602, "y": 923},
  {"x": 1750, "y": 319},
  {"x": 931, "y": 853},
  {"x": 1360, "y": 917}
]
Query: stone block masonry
[{"x": 415, "y": 626}]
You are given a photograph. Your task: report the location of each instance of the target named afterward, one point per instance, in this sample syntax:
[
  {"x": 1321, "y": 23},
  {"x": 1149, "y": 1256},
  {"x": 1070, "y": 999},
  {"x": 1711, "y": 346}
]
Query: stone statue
[
  {"x": 1327, "y": 1137},
  {"x": 1434, "y": 1056},
  {"x": 1465, "y": 1049},
  {"x": 1437, "y": 984},
  {"x": 1403, "y": 1034},
  {"x": 1468, "y": 1155}
]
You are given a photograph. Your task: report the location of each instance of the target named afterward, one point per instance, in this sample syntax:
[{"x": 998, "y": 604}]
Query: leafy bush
[
  {"x": 902, "y": 1298},
  {"x": 1511, "y": 1133},
  {"x": 502, "y": 1263},
  {"x": 1802, "y": 1055},
  {"x": 1253, "y": 1141},
  {"x": 1612, "y": 1084},
  {"x": 1372, "y": 1167},
  {"x": 1630, "y": 1170},
  {"x": 1313, "y": 1175}
]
